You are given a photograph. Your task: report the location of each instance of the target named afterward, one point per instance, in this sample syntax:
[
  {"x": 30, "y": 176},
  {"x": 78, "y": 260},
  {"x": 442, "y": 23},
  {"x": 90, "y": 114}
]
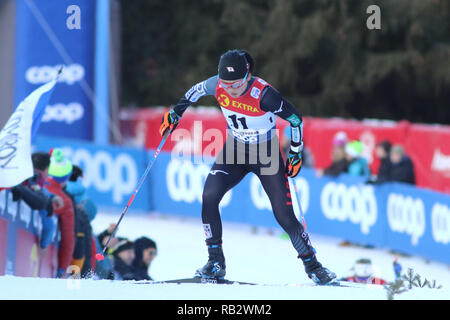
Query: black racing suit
[{"x": 263, "y": 159}]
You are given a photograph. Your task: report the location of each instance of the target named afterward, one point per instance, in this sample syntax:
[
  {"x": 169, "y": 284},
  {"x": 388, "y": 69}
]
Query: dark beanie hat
[
  {"x": 233, "y": 65},
  {"x": 386, "y": 145},
  {"x": 122, "y": 245}
]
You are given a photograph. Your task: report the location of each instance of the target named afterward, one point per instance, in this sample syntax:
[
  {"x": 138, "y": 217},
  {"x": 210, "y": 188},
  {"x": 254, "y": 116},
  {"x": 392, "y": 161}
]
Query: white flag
[{"x": 15, "y": 138}]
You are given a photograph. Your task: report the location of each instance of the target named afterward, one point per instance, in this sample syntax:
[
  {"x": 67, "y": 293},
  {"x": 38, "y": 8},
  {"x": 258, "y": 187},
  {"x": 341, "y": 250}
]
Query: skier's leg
[
  {"x": 277, "y": 188},
  {"x": 222, "y": 177}
]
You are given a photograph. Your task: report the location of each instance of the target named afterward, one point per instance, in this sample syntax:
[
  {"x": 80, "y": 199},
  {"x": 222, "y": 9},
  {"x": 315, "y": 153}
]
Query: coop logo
[
  {"x": 354, "y": 203},
  {"x": 406, "y": 215},
  {"x": 43, "y": 74},
  {"x": 262, "y": 202},
  {"x": 106, "y": 172},
  {"x": 63, "y": 113},
  {"x": 440, "y": 223},
  {"x": 185, "y": 182}
]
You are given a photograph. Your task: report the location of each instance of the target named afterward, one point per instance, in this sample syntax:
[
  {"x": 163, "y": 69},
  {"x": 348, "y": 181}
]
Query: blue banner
[
  {"x": 110, "y": 173},
  {"x": 51, "y": 34}
]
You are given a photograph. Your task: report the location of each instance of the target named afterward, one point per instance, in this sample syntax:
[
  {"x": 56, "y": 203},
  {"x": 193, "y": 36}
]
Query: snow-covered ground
[{"x": 251, "y": 256}]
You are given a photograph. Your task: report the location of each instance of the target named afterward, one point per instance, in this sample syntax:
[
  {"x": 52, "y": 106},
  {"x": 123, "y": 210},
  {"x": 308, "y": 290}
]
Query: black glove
[{"x": 16, "y": 194}]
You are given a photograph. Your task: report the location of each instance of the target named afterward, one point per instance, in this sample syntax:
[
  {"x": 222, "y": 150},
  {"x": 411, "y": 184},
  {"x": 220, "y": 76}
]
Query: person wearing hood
[
  {"x": 144, "y": 251},
  {"x": 402, "y": 169}
]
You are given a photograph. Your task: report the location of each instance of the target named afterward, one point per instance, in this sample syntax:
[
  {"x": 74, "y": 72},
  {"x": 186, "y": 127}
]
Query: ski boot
[
  {"x": 317, "y": 273},
  {"x": 215, "y": 267}
]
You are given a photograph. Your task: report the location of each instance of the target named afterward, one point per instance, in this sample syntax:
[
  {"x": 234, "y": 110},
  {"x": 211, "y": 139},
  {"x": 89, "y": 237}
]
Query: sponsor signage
[{"x": 50, "y": 35}]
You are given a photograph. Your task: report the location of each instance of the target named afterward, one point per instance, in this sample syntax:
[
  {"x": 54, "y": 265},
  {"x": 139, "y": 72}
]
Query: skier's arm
[
  {"x": 172, "y": 117},
  {"x": 201, "y": 89},
  {"x": 273, "y": 101}
]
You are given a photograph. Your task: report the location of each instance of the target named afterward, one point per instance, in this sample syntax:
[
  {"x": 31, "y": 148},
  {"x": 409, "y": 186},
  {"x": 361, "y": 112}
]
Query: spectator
[
  {"x": 82, "y": 252},
  {"x": 123, "y": 255},
  {"x": 357, "y": 165},
  {"x": 402, "y": 169},
  {"x": 382, "y": 151},
  {"x": 59, "y": 172},
  {"x": 145, "y": 252},
  {"x": 76, "y": 188},
  {"x": 363, "y": 273},
  {"x": 85, "y": 212},
  {"x": 339, "y": 162},
  {"x": 104, "y": 268},
  {"x": 34, "y": 194}
]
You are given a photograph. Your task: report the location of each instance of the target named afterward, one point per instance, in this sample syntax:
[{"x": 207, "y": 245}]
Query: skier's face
[
  {"x": 127, "y": 256},
  {"x": 148, "y": 255},
  {"x": 235, "y": 88}
]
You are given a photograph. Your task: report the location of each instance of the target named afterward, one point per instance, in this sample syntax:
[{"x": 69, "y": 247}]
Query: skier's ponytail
[{"x": 250, "y": 61}]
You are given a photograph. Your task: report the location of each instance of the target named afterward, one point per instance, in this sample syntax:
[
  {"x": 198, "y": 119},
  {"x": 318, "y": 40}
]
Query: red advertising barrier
[
  {"x": 427, "y": 145},
  {"x": 429, "y": 148},
  {"x": 319, "y": 134}
]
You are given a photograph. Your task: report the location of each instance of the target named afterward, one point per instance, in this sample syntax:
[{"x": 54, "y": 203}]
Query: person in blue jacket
[{"x": 358, "y": 165}]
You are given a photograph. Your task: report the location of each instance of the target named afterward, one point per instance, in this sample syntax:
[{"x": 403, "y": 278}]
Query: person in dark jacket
[
  {"x": 123, "y": 255},
  {"x": 144, "y": 251},
  {"x": 382, "y": 151},
  {"x": 32, "y": 191},
  {"x": 339, "y": 162},
  {"x": 402, "y": 169}
]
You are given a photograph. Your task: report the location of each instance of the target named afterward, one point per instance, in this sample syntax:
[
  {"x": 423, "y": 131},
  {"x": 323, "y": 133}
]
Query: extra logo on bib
[
  {"x": 237, "y": 106},
  {"x": 247, "y": 104}
]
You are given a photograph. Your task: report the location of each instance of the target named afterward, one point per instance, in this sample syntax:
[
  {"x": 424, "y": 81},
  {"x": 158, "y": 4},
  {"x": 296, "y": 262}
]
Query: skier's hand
[
  {"x": 169, "y": 121},
  {"x": 293, "y": 163}
]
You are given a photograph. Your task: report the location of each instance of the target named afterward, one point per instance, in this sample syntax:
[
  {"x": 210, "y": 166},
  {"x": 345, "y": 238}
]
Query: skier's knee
[{"x": 211, "y": 197}]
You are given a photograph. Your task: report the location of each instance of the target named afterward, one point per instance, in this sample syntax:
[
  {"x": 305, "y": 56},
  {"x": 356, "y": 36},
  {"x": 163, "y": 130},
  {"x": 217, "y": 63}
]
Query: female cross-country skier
[{"x": 249, "y": 105}]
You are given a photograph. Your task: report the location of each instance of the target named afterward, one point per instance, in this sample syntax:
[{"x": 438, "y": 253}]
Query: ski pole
[
  {"x": 101, "y": 256},
  {"x": 295, "y": 203}
]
